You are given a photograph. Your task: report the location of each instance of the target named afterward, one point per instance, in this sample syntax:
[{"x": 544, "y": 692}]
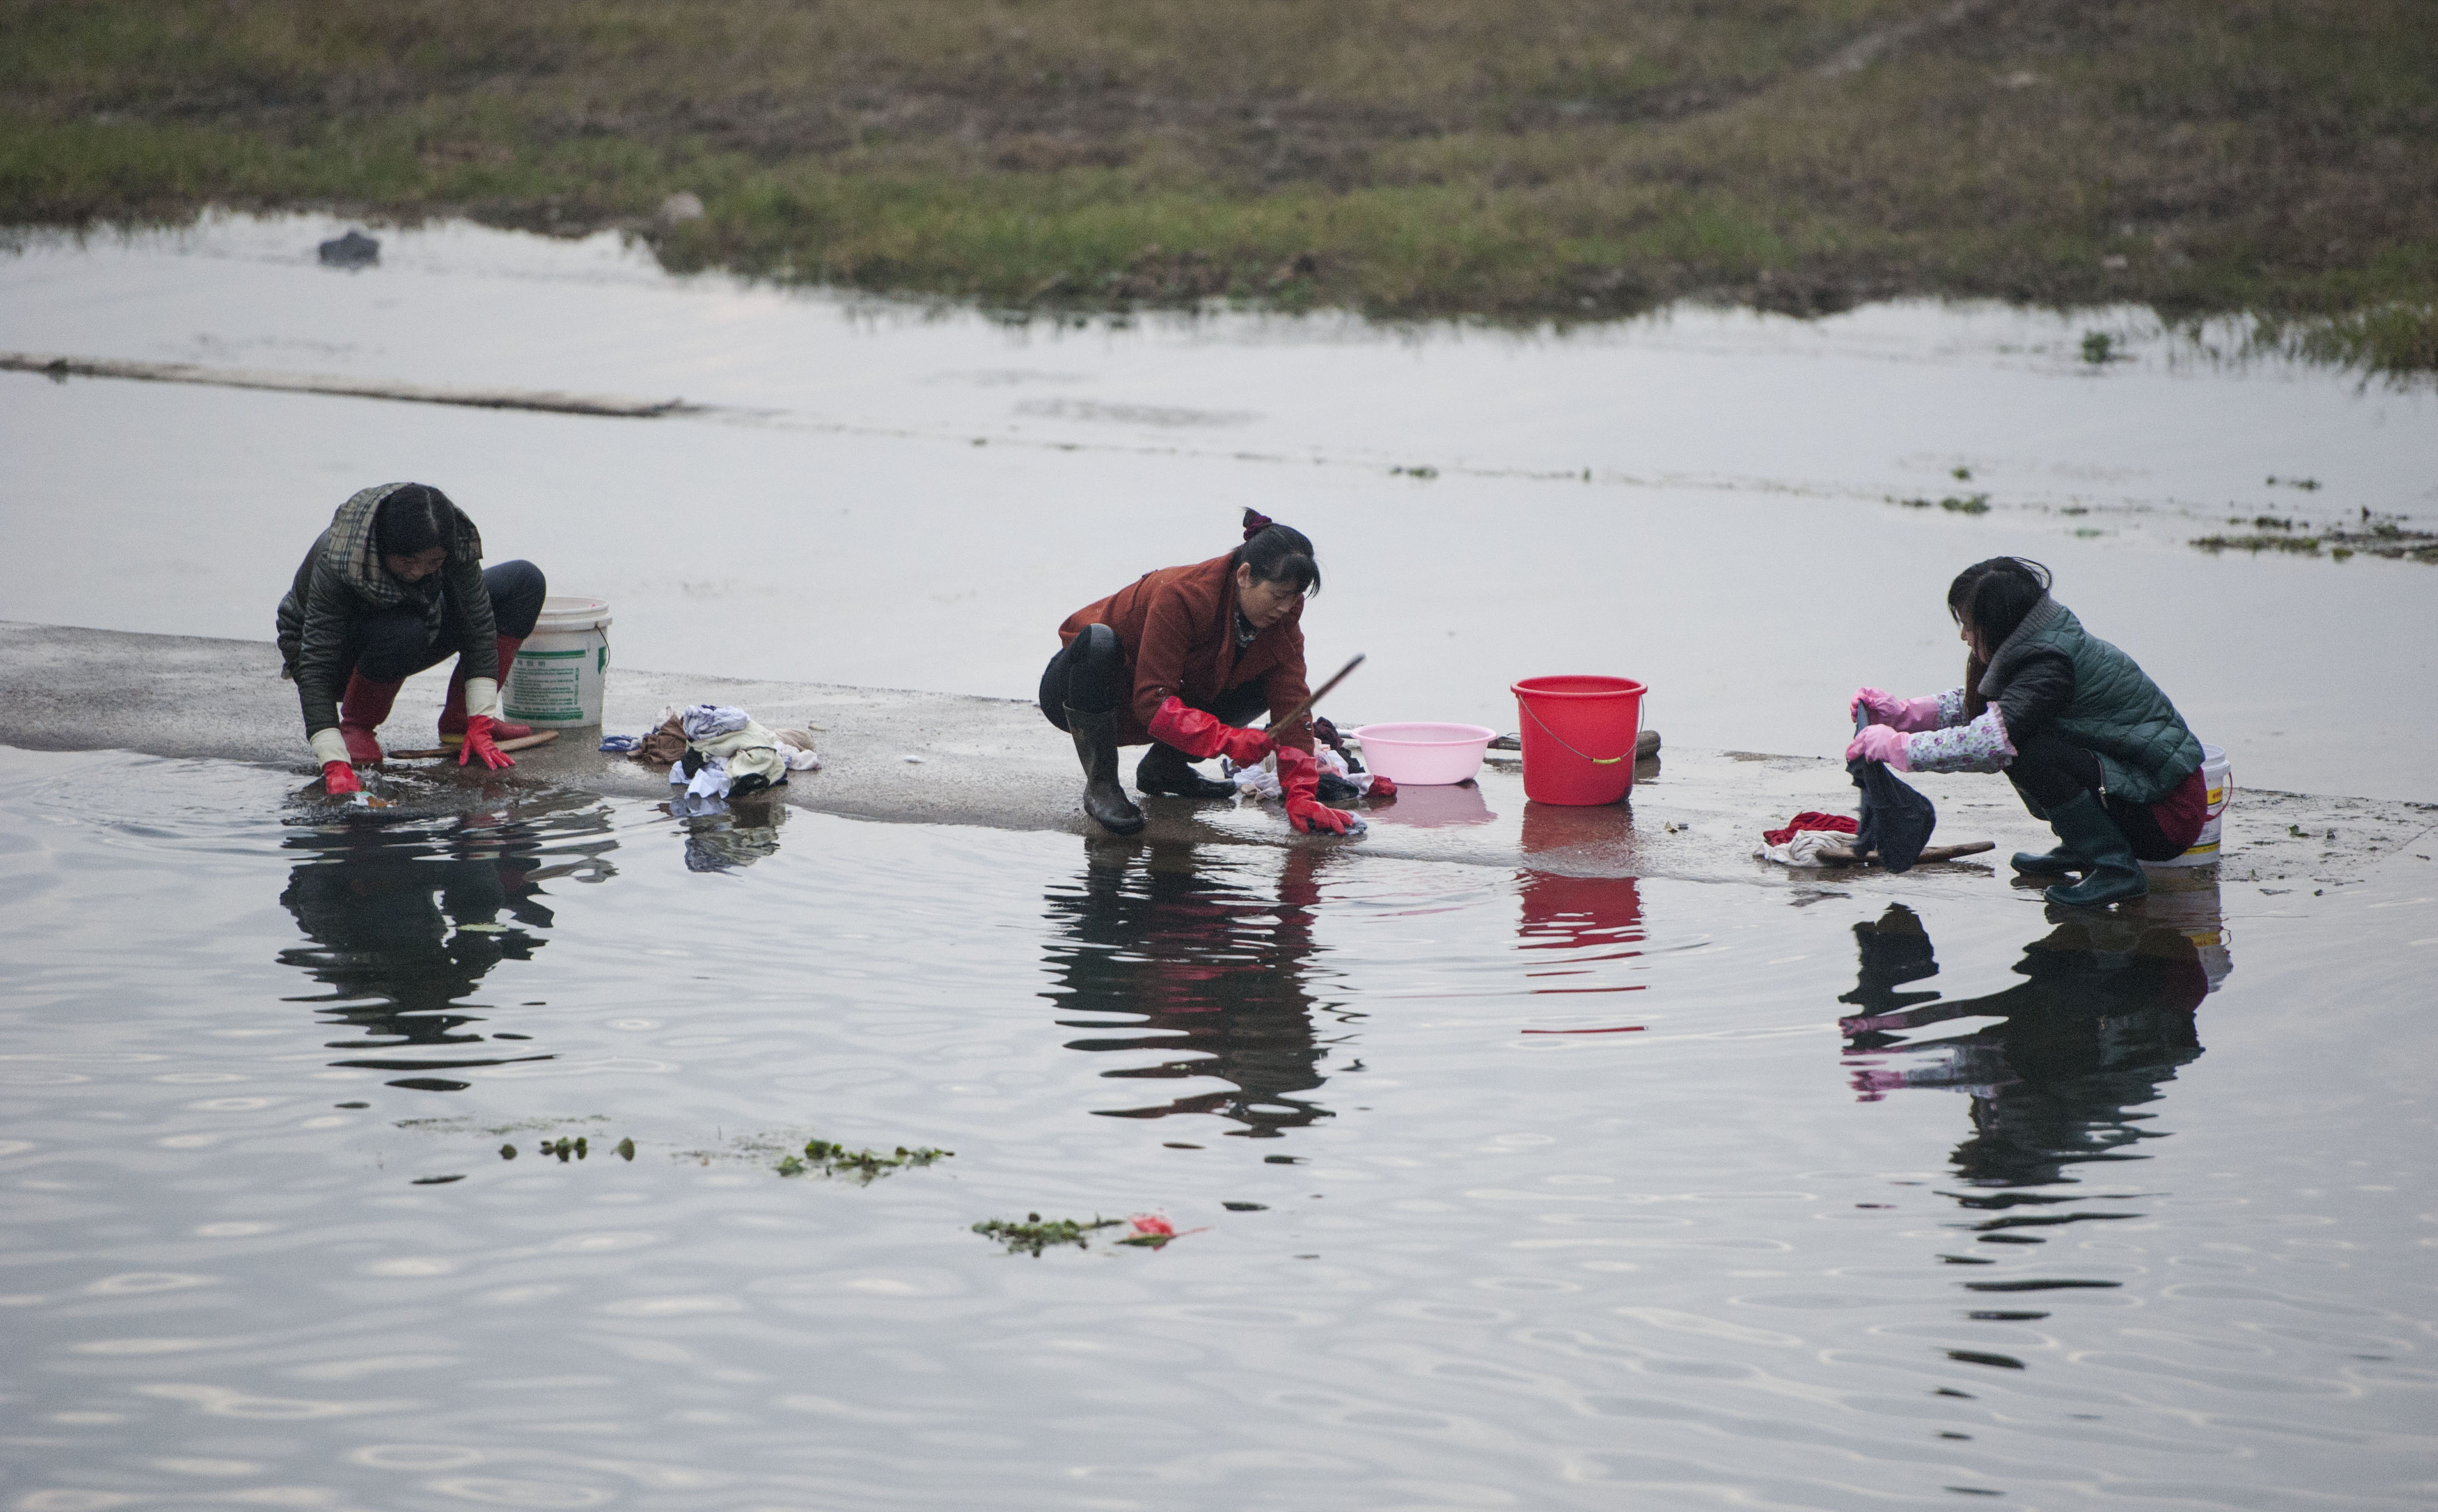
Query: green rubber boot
[
  {"x": 2114, "y": 875},
  {"x": 2057, "y": 863}
]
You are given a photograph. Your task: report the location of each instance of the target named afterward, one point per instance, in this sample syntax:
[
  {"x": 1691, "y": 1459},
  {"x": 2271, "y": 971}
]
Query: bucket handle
[{"x": 1596, "y": 761}]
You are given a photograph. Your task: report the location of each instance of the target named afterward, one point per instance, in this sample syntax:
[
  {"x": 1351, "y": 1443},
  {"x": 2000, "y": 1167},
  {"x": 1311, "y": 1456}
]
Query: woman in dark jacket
[
  {"x": 394, "y": 585},
  {"x": 1181, "y": 658},
  {"x": 2087, "y": 738}
]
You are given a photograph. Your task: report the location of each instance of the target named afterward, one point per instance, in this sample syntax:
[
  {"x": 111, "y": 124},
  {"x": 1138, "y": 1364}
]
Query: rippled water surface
[{"x": 1493, "y": 1190}]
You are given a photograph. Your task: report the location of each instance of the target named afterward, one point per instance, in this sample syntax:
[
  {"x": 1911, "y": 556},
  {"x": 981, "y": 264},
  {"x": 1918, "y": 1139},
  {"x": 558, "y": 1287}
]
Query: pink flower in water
[{"x": 1151, "y": 1225}]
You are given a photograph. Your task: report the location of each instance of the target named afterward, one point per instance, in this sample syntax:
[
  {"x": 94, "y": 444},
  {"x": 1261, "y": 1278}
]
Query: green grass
[{"x": 1531, "y": 159}]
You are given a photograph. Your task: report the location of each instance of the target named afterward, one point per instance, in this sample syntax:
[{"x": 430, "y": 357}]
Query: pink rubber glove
[
  {"x": 1881, "y": 743},
  {"x": 479, "y": 742},
  {"x": 339, "y": 779},
  {"x": 1300, "y": 780},
  {"x": 1887, "y": 709},
  {"x": 1200, "y": 735}
]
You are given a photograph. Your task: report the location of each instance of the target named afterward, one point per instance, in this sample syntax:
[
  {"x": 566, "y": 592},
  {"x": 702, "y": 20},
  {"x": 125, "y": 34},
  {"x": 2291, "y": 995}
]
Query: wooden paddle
[
  {"x": 1929, "y": 852},
  {"x": 1304, "y": 707},
  {"x": 542, "y": 737}
]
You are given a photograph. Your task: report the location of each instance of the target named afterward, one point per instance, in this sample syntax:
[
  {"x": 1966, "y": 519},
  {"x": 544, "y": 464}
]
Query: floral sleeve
[
  {"x": 1981, "y": 746},
  {"x": 1951, "y": 707}
]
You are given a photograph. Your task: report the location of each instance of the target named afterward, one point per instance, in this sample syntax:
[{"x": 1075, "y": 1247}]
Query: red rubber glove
[
  {"x": 1200, "y": 735},
  {"x": 479, "y": 742},
  {"x": 1300, "y": 780},
  {"x": 339, "y": 779},
  {"x": 1881, "y": 743}
]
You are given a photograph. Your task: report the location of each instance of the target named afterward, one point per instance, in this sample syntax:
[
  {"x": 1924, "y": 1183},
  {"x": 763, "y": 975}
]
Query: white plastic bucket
[
  {"x": 2217, "y": 778},
  {"x": 556, "y": 681}
]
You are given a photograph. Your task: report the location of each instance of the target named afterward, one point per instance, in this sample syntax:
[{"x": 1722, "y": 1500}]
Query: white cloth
[
  {"x": 1803, "y": 848},
  {"x": 710, "y": 779},
  {"x": 482, "y": 698},
  {"x": 704, "y": 722},
  {"x": 796, "y": 748},
  {"x": 329, "y": 746},
  {"x": 1261, "y": 781}
]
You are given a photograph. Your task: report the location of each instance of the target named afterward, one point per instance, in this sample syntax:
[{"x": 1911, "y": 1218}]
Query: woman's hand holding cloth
[
  {"x": 1300, "y": 780},
  {"x": 1908, "y": 715}
]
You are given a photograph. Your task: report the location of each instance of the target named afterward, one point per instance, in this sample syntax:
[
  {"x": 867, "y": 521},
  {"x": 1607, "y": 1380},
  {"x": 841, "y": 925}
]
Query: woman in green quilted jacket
[{"x": 2086, "y": 737}]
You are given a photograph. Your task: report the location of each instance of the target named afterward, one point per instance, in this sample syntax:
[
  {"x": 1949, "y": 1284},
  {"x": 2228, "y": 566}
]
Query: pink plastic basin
[{"x": 1425, "y": 755}]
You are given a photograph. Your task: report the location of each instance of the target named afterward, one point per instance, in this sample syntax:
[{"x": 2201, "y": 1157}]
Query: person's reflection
[
  {"x": 404, "y": 922},
  {"x": 1213, "y": 979},
  {"x": 2100, "y": 1023}
]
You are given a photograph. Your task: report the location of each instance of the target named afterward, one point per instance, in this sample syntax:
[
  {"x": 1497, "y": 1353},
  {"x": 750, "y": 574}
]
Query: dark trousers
[
  {"x": 2049, "y": 770},
  {"x": 1089, "y": 673},
  {"x": 397, "y": 643}
]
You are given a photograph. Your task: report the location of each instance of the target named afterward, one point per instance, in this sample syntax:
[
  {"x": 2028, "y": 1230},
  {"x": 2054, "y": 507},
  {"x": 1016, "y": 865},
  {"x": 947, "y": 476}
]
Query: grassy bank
[{"x": 1531, "y": 158}]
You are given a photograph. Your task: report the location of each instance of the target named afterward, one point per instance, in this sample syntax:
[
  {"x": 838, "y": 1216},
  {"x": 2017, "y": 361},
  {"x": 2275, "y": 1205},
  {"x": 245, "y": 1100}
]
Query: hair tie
[{"x": 1256, "y": 522}]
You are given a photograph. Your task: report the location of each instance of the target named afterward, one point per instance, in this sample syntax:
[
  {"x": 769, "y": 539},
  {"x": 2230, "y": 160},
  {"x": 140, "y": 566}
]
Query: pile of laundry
[
  {"x": 1804, "y": 837},
  {"x": 1341, "y": 780},
  {"x": 716, "y": 751}
]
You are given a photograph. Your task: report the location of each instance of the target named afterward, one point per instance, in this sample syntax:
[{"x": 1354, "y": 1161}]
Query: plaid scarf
[{"x": 355, "y": 549}]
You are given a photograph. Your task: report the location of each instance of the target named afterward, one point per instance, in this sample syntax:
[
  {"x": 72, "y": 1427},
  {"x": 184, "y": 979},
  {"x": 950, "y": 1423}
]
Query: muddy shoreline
[{"x": 904, "y": 757}]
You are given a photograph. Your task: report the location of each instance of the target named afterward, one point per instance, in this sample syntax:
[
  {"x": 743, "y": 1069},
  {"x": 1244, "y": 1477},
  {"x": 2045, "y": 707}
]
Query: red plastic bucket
[{"x": 1579, "y": 735}]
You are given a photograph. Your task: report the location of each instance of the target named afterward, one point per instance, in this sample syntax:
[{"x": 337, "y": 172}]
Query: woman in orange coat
[{"x": 1185, "y": 657}]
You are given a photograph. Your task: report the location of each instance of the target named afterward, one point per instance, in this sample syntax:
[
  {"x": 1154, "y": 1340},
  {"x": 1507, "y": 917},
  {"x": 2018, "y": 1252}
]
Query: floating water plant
[
  {"x": 1970, "y": 504},
  {"x": 2300, "y": 545},
  {"x": 1036, "y": 1233},
  {"x": 866, "y": 1166}
]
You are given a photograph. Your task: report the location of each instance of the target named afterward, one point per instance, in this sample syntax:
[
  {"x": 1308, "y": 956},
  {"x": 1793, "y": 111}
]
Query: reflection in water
[
  {"x": 721, "y": 835},
  {"x": 1215, "y": 979},
  {"x": 1573, "y": 925},
  {"x": 404, "y": 920},
  {"x": 2101, "y": 1022}
]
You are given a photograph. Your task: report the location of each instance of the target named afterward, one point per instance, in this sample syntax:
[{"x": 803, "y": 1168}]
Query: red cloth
[
  {"x": 1808, "y": 821},
  {"x": 1177, "y": 628},
  {"x": 2181, "y": 815}
]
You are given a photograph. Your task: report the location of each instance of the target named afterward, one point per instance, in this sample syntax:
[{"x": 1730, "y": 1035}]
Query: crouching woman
[
  {"x": 1182, "y": 659},
  {"x": 2087, "y": 738},
  {"x": 396, "y": 585}
]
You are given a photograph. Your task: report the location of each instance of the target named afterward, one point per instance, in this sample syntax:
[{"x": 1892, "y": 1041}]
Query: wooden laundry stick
[
  {"x": 542, "y": 737},
  {"x": 1929, "y": 852},
  {"x": 1304, "y": 707}
]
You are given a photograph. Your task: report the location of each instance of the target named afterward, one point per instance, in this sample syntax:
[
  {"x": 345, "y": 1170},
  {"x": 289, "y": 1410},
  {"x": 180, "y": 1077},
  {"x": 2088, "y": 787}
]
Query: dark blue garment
[{"x": 1896, "y": 820}]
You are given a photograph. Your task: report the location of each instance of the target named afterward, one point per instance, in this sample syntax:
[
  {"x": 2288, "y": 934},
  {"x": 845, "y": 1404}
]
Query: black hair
[
  {"x": 1277, "y": 554},
  {"x": 412, "y": 520},
  {"x": 1993, "y": 596}
]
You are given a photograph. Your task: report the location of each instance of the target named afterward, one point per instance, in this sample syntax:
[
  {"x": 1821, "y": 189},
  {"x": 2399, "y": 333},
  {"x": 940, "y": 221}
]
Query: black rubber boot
[
  {"x": 1165, "y": 770},
  {"x": 2057, "y": 863},
  {"x": 2114, "y": 875},
  {"x": 1104, "y": 797}
]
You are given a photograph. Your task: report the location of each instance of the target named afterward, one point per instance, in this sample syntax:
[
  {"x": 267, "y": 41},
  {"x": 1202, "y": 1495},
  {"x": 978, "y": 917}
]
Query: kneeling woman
[
  {"x": 1182, "y": 659},
  {"x": 2087, "y": 738},
  {"x": 396, "y": 584}
]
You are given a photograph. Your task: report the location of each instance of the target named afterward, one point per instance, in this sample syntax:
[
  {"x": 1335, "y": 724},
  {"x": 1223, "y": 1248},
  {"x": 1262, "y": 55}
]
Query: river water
[
  {"x": 1493, "y": 1188},
  {"x": 891, "y": 495}
]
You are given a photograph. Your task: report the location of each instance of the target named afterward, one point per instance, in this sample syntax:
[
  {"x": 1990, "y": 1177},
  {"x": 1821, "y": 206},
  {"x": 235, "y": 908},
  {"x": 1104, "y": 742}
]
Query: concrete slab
[{"x": 897, "y": 756}]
